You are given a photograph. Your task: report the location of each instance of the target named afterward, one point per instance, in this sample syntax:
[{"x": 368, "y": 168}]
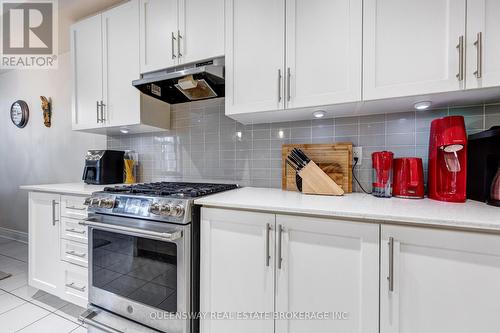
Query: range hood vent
[{"x": 186, "y": 83}]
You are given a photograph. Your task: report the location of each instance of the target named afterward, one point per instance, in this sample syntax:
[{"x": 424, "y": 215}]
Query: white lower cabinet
[
  {"x": 443, "y": 281},
  {"x": 327, "y": 266},
  {"x": 58, "y": 246},
  {"x": 236, "y": 276},
  {"x": 313, "y": 265},
  {"x": 44, "y": 221}
]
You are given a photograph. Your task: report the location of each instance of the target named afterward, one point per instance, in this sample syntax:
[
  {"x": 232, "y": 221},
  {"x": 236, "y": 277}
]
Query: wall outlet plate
[{"x": 357, "y": 152}]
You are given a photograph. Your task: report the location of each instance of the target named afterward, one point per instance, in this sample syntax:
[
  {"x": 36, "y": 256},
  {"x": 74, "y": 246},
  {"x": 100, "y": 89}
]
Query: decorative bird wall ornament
[{"x": 47, "y": 110}]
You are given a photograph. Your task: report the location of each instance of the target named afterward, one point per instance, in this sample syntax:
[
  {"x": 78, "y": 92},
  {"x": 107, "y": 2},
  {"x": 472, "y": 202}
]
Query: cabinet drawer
[
  {"x": 73, "y": 252},
  {"x": 73, "y": 207},
  {"x": 75, "y": 288},
  {"x": 71, "y": 230}
]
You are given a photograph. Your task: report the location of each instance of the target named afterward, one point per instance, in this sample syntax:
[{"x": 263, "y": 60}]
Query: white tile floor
[{"x": 25, "y": 309}]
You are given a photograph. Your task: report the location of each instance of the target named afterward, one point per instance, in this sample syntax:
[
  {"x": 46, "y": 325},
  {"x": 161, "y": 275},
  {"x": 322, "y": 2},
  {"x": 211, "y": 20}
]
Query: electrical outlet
[{"x": 357, "y": 152}]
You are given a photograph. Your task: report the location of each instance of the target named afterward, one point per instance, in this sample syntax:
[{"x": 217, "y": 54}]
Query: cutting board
[{"x": 335, "y": 159}]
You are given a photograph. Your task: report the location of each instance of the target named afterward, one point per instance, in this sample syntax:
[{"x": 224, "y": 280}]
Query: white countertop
[
  {"x": 470, "y": 215},
  {"x": 66, "y": 188}
]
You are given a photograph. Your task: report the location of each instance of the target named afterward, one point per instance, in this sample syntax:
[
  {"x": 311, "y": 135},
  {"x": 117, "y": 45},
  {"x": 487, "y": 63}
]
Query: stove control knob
[
  {"x": 165, "y": 209},
  {"x": 107, "y": 203},
  {"x": 177, "y": 210},
  {"x": 154, "y": 209}
]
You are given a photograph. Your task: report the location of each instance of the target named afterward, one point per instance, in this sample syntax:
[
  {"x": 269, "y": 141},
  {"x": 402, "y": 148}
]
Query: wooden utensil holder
[{"x": 315, "y": 181}]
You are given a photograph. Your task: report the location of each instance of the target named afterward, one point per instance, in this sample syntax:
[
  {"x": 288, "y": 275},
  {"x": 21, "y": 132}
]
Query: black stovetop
[{"x": 164, "y": 189}]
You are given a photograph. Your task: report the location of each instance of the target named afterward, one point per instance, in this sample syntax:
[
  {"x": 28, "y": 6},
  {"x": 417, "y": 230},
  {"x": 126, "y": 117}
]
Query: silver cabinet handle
[
  {"x": 460, "y": 48},
  {"x": 76, "y": 231},
  {"x": 280, "y": 77},
  {"x": 76, "y": 254},
  {"x": 179, "y": 37},
  {"x": 173, "y": 46},
  {"x": 479, "y": 49},
  {"x": 168, "y": 236},
  {"x": 76, "y": 208},
  {"x": 288, "y": 81},
  {"x": 54, "y": 219},
  {"x": 280, "y": 235},
  {"x": 97, "y": 109},
  {"x": 73, "y": 286},
  {"x": 268, "y": 230},
  {"x": 103, "y": 119},
  {"x": 390, "y": 278},
  {"x": 87, "y": 318}
]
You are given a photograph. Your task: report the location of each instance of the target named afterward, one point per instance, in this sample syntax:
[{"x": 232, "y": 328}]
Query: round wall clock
[{"x": 19, "y": 113}]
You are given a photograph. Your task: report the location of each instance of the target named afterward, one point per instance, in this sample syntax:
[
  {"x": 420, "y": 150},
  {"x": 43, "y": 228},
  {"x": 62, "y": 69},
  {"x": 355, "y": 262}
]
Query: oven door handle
[{"x": 169, "y": 236}]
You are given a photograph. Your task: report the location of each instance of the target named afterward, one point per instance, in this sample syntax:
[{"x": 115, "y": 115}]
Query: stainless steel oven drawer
[
  {"x": 73, "y": 231},
  {"x": 74, "y": 252}
]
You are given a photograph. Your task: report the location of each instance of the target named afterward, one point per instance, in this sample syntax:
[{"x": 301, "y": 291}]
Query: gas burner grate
[{"x": 165, "y": 189}]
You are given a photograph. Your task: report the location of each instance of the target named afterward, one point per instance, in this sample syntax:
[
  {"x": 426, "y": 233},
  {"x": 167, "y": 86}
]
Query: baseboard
[{"x": 19, "y": 236}]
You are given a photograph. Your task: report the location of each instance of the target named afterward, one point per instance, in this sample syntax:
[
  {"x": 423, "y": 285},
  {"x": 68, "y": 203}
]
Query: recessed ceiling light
[
  {"x": 422, "y": 105},
  {"x": 319, "y": 114},
  {"x": 124, "y": 130}
]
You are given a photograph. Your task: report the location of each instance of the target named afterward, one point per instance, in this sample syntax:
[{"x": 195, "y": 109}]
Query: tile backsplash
[{"x": 205, "y": 145}]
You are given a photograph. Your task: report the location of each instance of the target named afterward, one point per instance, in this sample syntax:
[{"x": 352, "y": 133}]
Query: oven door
[{"x": 140, "y": 270}]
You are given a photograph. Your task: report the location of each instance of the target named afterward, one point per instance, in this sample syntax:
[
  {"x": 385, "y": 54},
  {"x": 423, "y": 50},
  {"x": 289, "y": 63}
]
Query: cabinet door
[
  {"x": 121, "y": 64},
  {"x": 410, "y": 47},
  {"x": 443, "y": 281},
  {"x": 44, "y": 219},
  {"x": 158, "y": 33},
  {"x": 327, "y": 266},
  {"x": 86, "y": 47},
  {"x": 255, "y": 42},
  {"x": 236, "y": 276},
  {"x": 324, "y": 41},
  {"x": 483, "y": 48},
  {"x": 201, "y": 27}
]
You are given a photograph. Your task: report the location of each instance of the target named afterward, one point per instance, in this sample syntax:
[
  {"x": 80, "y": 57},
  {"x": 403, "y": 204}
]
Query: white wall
[{"x": 36, "y": 154}]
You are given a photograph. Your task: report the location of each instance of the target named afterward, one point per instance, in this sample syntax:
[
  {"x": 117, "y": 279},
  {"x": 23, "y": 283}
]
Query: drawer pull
[
  {"x": 76, "y": 254},
  {"x": 73, "y": 286},
  {"x": 76, "y": 208},
  {"x": 73, "y": 230}
]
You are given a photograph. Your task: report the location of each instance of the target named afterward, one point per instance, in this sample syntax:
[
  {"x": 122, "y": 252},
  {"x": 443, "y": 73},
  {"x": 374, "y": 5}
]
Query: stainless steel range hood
[{"x": 186, "y": 83}]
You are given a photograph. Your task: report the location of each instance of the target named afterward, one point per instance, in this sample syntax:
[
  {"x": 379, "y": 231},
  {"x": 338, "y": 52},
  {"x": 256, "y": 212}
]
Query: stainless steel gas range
[{"x": 144, "y": 246}]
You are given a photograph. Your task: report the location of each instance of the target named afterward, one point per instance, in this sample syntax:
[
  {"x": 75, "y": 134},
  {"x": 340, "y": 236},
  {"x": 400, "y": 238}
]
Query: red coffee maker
[
  {"x": 448, "y": 159},
  {"x": 408, "y": 178}
]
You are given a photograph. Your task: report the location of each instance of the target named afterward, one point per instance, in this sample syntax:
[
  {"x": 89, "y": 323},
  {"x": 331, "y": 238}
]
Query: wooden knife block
[{"x": 316, "y": 181}]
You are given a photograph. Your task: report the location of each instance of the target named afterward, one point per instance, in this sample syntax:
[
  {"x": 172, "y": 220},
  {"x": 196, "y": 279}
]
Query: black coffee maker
[
  {"x": 103, "y": 167},
  {"x": 483, "y": 166}
]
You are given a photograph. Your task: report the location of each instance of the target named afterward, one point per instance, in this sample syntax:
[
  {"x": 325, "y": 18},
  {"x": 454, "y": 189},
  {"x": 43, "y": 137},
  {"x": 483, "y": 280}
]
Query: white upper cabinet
[
  {"x": 483, "y": 47},
  {"x": 236, "y": 273},
  {"x": 174, "y": 32},
  {"x": 255, "y": 55},
  {"x": 327, "y": 266},
  {"x": 44, "y": 220},
  {"x": 158, "y": 34},
  {"x": 87, "y": 65},
  {"x": 121, "y": 58},
  {"x": 106, "y": 59},
  {"x": 201, "y": 26},
  {"x": 413, "y": 47},
  {"x": 323, "y": 56},
  {"x": 443, "y": 281}
]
